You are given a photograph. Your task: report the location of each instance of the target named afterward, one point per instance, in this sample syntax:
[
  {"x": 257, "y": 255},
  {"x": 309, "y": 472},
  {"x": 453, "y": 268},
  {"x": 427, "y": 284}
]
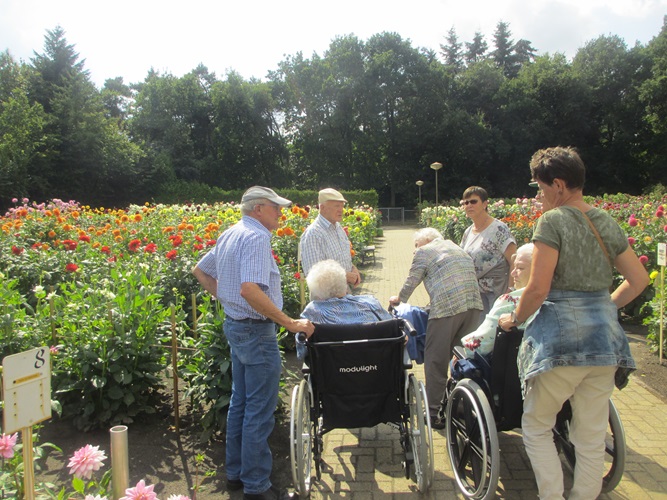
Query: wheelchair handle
[{"x": 301, "y": 337}]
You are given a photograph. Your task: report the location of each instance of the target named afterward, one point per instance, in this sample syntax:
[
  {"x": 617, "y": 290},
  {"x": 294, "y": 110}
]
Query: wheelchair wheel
[
  {"x": 301, "y": 438},
  {"x": 472, "y": 441},
  {"x": 615, "y": 448},
  {"x": 420, "y": 434}
]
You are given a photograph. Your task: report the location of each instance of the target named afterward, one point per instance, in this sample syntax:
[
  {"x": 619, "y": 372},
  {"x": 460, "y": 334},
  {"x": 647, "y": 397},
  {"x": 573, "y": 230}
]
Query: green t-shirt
[{"x": 582, "y": 265}]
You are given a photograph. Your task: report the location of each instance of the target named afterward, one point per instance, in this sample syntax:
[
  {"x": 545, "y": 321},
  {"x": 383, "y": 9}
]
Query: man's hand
[
  {"x": 394, "y": 301},
  {"x": 353, "y": 277},
  {"x": 301, "y": 325}
]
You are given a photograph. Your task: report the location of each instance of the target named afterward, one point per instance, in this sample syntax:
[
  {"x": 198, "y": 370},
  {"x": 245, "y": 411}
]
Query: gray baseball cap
[{"x": 259, "y": 192}]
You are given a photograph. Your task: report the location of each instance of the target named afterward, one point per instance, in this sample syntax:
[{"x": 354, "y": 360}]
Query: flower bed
[{"x": 106, "y": 288}]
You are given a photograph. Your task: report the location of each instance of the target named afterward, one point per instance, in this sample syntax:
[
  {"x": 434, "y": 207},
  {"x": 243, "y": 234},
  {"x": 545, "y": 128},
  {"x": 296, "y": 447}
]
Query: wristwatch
[{"x": 513, "y": 318}]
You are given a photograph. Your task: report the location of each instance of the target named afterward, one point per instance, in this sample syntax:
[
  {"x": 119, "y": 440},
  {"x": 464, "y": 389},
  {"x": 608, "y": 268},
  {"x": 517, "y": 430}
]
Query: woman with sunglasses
[{"x": 490, "y": 244}]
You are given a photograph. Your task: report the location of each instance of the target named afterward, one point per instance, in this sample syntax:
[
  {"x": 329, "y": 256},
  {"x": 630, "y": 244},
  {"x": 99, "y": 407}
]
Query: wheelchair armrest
[{"x": 459, "y": 352}]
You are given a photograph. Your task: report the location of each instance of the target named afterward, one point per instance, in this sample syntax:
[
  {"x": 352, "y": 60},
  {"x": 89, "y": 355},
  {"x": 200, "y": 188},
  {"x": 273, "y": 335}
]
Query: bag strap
[{"x": 598, "y": 237}]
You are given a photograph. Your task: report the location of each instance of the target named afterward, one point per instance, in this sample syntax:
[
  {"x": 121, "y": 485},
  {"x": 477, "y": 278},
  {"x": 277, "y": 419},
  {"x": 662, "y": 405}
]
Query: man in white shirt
[{"x": 325, "y": 238}]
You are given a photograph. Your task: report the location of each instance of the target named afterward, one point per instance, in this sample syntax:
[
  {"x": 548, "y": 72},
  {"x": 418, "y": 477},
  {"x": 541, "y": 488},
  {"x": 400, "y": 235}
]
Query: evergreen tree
[
  {"x": 452, "y": 52},
  {"x": 476, "y": 50}
]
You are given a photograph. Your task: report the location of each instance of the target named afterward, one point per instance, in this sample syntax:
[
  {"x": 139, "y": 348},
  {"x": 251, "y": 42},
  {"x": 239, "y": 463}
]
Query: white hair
[
  {"x": 427, "y": 235},
  {"x": 526, "y": 249},
  {"x": 326, "y": 279},
  {"x": 250, "y": 205}
]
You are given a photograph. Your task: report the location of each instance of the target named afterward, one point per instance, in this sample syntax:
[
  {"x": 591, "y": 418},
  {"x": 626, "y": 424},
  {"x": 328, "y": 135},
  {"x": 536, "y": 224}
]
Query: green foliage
[
  {"x": 180, "y": 191},
  {"x": 208, "y": 372},
  {"x": 109, "y": 374}
]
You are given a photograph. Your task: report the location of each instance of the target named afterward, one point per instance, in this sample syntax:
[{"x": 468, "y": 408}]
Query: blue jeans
[{"x": 256, "y": 369}]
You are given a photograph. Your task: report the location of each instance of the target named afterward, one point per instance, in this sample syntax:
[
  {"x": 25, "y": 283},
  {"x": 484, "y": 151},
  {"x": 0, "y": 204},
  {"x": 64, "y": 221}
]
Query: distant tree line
[{"x": 364, "y": 115}]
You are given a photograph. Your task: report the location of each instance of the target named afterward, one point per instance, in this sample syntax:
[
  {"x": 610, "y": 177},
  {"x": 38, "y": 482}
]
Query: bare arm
[
  {"x": 509, "y": 252},
  {"x": 636, "y": 278},
  {"x": 209, "y": 283},
  {"x": 545, "y": 259},
  {"x": 261, "y": 303}
]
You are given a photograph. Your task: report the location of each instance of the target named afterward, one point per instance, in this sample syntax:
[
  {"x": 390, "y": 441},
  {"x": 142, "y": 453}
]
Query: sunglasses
[{"x": 469, "y": 202}]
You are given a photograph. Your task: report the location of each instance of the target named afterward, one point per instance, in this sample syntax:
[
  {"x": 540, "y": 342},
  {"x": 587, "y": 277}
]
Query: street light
[
  {"x": 420, "y": 184},
  {"x": 436, "y": 166}
]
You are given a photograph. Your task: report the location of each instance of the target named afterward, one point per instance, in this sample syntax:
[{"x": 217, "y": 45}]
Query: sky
[{"x": 128, "y": 38}]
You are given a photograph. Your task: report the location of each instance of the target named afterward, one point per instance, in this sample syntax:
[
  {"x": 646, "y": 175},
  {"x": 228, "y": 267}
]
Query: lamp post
[
  {"x": 420, "y": 184},
  {"x": 436, "y": 166}
]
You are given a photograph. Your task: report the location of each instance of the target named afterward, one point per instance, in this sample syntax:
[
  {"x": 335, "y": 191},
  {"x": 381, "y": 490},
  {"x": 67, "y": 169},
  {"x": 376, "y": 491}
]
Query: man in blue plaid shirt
[{"x": 241, "y": 273}]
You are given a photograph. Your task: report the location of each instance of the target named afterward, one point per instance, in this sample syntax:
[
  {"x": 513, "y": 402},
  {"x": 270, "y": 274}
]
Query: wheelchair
[
  {"x": 487, "y": 399},
  {"x": 357, "y": 376}
]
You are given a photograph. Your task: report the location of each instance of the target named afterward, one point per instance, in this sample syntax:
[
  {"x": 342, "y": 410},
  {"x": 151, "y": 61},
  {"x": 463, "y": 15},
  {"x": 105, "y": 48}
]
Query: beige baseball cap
[{"x": 330, "y": 194}]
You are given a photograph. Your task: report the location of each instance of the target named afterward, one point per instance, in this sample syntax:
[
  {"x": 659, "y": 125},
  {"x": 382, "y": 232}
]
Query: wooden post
[
  {"x": 52, "y": 313},
  {"x": 662, "y": 307},
  {"x": 28, "y": 466},
  {"x": 194, "y": 315},
  {"x": 174, "y": 368}
]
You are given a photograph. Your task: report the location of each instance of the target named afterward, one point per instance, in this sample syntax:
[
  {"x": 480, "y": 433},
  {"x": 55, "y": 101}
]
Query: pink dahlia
[
  {"x": 632, "y": 221},
  {"x": 631, "y": 240},
  {"x": 85, "y": 461},
  {"x": 643, "y": 259},
  {"x": 140, "y": 492},
  {"x": 7, "y": 444}
]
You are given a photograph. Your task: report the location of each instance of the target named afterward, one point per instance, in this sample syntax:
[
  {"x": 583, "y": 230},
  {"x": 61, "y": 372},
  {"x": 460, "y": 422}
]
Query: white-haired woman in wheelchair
[
  {"x": 482, "y": 339},
  {"x": 331, "y": 304}
]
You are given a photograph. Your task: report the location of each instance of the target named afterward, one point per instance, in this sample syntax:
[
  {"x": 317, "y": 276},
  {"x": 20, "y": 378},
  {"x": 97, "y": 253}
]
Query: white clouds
[{"x": 126, "y": 38}]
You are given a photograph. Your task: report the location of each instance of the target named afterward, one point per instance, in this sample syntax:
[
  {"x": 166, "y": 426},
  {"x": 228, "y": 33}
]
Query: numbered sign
[
  {"x": 662, "y": 254},
  {"x": 26, "y": 385}
]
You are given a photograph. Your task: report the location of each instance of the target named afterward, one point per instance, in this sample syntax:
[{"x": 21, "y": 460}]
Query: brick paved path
[{"x": 366, "y": 463}]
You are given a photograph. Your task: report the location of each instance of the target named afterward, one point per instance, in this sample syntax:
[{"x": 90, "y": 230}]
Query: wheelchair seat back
[
  {"x": 505, "y": 383},
  {"x": 357, "y": 372}
]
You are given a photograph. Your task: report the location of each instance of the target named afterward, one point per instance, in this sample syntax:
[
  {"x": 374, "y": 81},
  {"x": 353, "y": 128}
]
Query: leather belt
[{"x": 252, "y": 320}]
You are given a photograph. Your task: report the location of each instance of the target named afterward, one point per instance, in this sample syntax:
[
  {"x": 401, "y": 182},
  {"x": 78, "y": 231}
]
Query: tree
[
  {"x": 117, "y": 99},
  {"x": 613, "y": 75},
  {"x": 523, "y": 53},
  {"x": 21, "y": 126},
  {"x": 476, "y": 50},
  {"x": 77, "y": 155},
  {"x": 452, "y": 52},
  {"x": 249, "y": 148},
  {"x": 653, "y": 96},
  {"x": 502, "y": 55}
]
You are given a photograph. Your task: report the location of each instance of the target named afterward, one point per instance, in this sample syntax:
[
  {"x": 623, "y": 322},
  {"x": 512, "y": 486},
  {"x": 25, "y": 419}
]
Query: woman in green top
[{"x": 575, "y": 344}]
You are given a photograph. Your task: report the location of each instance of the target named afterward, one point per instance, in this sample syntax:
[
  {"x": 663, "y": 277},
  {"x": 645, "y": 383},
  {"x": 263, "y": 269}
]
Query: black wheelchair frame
[
  {"x": 478, "y": 407},
  {"x": 357, "y": 376}
]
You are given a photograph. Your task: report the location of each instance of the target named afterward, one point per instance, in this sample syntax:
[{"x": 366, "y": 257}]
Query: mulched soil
[{"x": 166, "y": 458}]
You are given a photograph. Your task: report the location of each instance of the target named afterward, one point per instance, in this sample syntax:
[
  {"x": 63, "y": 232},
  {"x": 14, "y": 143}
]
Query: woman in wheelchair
[
  {"x": 574, "y": 349},
  {"x": 331, "y": 304},
  {"x": 482, "y": 339}
]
